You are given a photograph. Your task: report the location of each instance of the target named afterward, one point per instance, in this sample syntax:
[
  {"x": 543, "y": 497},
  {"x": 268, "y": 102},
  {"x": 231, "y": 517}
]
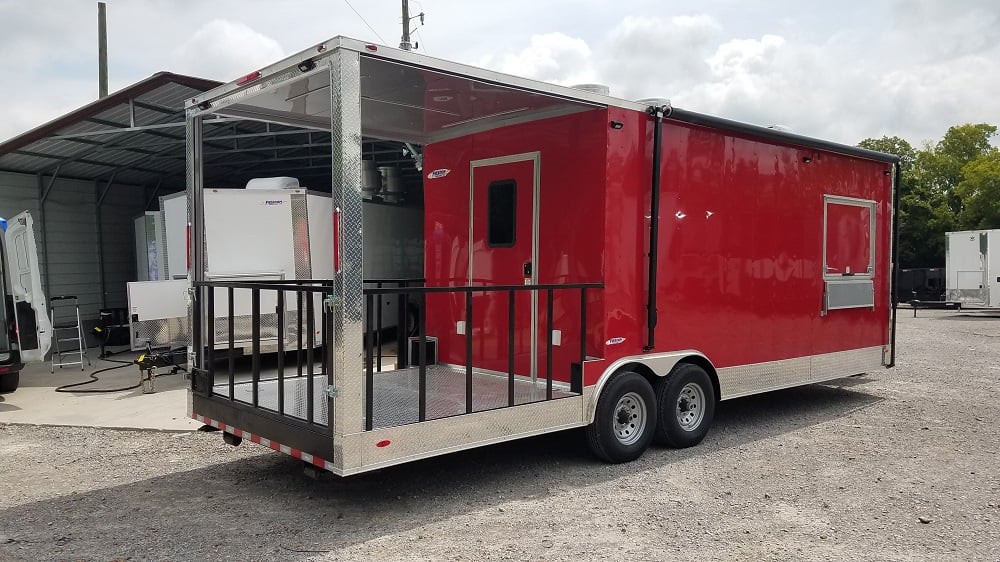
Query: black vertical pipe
[
  {"x": 510, "y": 348},
  {"x": 232, "y": 345},
  {"x": 468, "y": 352},
  {"x": 894, "y": 278},
  {"x": 654, "y": 227},
  {"x": 369, "y": 371},
  {"x": 281, "y": 351},
  {"x": 255, "y": 341},
  {"x": 311, "y": 342},
  {"x": 548, "y": 344},
  {"x": 422, "y": 355}
]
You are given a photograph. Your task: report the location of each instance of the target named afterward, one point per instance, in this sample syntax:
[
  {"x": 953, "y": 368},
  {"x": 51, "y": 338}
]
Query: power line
[{"x": 365, "y": 21}]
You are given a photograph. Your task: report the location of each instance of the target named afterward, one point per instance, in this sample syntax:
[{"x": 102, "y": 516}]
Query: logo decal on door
[
  {"x": 439, "y": 173},
  {"x": 614, "y": 341}
]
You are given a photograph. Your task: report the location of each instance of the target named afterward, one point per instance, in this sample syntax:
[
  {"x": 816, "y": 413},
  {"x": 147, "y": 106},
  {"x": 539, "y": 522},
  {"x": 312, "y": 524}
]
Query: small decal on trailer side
[
  {"x": 439, "y": 173},
  {"x": 614, "y": 341},
  {"x": 273, "y": 202}
]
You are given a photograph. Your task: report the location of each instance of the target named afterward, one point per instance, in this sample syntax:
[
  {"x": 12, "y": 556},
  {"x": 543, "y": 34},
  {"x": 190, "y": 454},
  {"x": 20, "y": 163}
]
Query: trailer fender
[{"x": 650, "y": 365}]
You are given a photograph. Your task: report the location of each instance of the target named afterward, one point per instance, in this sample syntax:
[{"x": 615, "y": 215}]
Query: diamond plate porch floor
[{"x": 396, "y": 394}]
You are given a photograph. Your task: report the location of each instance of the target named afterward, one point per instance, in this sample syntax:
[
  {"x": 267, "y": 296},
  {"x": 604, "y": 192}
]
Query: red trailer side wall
[
  {"x": 740, "y": 246},
  {"x": 570, "y": 238}
]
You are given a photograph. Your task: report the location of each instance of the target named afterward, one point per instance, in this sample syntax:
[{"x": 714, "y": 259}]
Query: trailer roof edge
[{"x": 694, "y": 118}]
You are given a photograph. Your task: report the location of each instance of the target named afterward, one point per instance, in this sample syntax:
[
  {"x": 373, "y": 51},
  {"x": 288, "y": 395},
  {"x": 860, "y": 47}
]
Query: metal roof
[{"x": 135, "y": 135}]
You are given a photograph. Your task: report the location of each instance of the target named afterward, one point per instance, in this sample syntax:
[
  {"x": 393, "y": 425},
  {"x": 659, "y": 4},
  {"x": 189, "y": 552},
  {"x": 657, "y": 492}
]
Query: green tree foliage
[{"x": 948, "y": 186}]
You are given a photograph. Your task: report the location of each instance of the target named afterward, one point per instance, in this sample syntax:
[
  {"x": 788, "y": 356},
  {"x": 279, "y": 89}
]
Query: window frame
[{"x": 854, "y": 202}]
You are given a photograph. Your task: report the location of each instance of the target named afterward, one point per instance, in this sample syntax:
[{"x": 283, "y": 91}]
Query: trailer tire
[
  {"x": 625, "y": 419},
  {"x": 686, "y": 401},
  {"x": 9, "y": 382}
]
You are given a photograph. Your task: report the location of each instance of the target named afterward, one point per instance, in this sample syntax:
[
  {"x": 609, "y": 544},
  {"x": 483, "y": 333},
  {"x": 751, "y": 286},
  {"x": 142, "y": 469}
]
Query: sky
[{"x": 842, "y": 71}]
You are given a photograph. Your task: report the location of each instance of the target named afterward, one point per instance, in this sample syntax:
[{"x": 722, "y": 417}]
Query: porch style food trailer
[{"x": 588, "y": 262}]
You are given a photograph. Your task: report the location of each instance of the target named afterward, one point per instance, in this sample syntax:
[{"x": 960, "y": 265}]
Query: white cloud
[
  {"x": 552, "y": 57},
  {"x": 225, "y": 49},
  {"x": 843, "y": 72}
]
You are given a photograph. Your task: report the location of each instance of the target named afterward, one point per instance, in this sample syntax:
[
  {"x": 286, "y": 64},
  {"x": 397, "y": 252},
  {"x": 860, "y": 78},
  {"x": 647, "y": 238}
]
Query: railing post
[
  {"x": 422, "y": 355},
  {"x": 402, "y": 329},
  {"x": 310, "y": 343},
  {"x": 298, "y": 330},
  {"x": 548, "y": 344},
  {"x": 255, "y": 341},
  {"x": 468, "y": 351},
  {"x": 210, "y": 353},
  {"x": 230, "y": 323},
  {"x": 510, "y": 348},
  {"x": 369, "y": 370},
  {"x": 378, "y": 329},
  {"x": 280, "y": 311}
]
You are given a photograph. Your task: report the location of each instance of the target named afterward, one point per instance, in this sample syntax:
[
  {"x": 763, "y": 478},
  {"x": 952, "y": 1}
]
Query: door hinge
[
  {"x": 331, "y": 391},
  {"x": 331, "y": 303}
]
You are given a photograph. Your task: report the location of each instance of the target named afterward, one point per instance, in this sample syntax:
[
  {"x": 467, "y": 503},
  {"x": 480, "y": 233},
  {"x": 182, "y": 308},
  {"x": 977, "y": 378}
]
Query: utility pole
[
  {"x": 405, "y": 43},
  {"x": 102, "y": 50}
]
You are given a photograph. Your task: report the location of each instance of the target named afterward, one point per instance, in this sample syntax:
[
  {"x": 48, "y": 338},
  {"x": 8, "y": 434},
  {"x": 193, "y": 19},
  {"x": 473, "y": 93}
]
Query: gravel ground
[{"x": 897, "y": 465}]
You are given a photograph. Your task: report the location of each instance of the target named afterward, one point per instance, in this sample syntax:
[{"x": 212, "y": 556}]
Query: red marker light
[
  {"x": 248, "y": 78},
  {"x": 371, "y": 48},
  {"x": 383, "y": 443}
]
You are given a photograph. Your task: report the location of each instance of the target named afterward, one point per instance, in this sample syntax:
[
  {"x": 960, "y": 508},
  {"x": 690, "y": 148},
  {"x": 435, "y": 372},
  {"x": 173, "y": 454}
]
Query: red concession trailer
[{"x": 588, "y": 262}]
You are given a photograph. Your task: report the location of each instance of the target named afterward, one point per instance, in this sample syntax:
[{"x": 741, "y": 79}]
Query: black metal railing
[
  {"x": 288, "y": 331},
  {"x": 287, "y": 326},
  {"x": 402, "y": 323},
  {"x": 419, "y": 294}
]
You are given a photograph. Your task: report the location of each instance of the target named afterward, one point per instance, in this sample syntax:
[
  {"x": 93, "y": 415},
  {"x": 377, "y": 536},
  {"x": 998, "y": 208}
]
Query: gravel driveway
[{"x": 896, "y": 465}]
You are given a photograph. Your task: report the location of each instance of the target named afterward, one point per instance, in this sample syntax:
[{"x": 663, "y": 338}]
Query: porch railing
[{"x": 305, "y": 336}]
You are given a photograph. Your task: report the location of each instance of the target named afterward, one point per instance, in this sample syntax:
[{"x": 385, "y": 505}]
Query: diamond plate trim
[
  {"x": 159, "y": 332},
  {"x": 387, "y": 447},
  {"x": 744, "y": 380},
  {"x": 300, "y": 236},
  {"x": 345, "y": 139}
]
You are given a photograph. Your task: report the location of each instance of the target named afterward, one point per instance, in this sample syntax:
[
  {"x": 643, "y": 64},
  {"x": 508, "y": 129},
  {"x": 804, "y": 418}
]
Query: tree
[
  {"x": 951, "y": 185},
  {"x": 980, "y": 192}
]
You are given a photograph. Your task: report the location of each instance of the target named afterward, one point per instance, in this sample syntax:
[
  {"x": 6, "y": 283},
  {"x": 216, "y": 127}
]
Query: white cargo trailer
[
  {"x": 256, "y": 235},
  {"x": 972, "y": 265},
  {"x": 266, "y": 235}
]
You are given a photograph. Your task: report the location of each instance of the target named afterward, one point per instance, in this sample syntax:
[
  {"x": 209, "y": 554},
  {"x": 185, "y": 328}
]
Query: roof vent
[
  {"x": 657, "y": 102},
  {"x": 594, "y": 88}
]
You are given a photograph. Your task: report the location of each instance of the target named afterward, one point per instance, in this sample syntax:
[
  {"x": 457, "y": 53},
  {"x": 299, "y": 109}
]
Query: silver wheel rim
[
  {"x": 690, "y": 407},
  {"x": 630, "y": 418}
]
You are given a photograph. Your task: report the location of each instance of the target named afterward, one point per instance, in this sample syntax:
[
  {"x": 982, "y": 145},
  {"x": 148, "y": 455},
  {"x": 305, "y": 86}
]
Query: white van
[{"x": 26, "y": 333}]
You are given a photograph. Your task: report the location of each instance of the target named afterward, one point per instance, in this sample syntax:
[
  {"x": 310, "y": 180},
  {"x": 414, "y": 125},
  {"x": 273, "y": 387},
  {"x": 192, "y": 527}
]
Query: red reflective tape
[
  {"x": 336, "y": 240},
  {"x": 322, "y": 463}
]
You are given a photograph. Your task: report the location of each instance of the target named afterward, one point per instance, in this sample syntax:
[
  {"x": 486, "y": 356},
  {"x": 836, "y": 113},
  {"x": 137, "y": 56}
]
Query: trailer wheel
[
  {"x": 625, "y": 418},
  {"x": 686, "y": 402},
  {"x": 9, "y": 382}
]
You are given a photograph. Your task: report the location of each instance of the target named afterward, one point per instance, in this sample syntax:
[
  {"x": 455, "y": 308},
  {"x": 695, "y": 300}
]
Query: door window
[{"x": 502, "y": 214}]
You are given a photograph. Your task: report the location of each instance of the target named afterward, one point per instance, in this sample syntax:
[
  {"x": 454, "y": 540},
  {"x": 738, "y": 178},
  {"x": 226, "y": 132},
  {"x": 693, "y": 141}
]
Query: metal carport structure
[{"x": 87, "y": 174}]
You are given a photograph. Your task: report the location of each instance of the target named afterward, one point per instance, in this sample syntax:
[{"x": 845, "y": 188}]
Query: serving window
[{"x": 848, "y": 252}]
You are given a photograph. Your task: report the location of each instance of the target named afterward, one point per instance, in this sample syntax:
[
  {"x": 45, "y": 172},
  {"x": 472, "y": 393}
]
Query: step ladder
[{"x": 66, "y": 329}]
